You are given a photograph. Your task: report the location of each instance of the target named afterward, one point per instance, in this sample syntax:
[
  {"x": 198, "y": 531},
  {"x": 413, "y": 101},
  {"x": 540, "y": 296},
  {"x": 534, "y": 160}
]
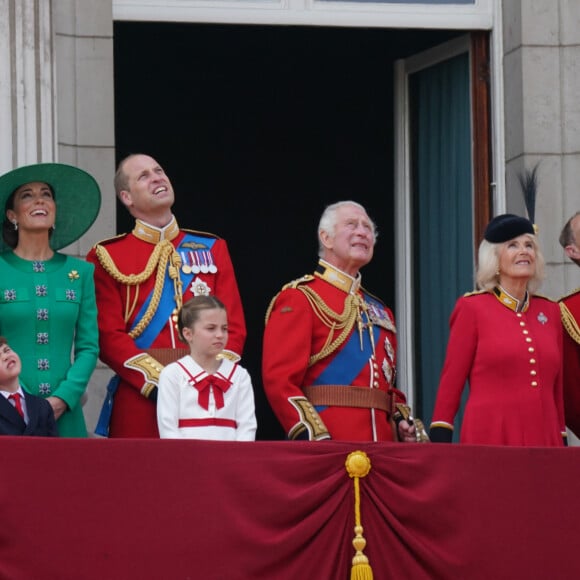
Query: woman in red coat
[{"x": 507, "y": 343}]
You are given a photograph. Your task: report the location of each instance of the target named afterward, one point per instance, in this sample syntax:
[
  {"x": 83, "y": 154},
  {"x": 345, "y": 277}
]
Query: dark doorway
[{"x": 259, "y": 128}]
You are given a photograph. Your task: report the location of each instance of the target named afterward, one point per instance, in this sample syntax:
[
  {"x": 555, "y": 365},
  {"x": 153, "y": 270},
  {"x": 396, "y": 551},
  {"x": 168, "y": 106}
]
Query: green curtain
[{"x": 442, "y": 213}]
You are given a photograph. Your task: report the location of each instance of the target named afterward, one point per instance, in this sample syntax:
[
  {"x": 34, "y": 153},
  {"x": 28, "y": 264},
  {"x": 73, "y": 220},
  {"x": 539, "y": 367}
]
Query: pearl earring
[{"x": 15, "y": 224}]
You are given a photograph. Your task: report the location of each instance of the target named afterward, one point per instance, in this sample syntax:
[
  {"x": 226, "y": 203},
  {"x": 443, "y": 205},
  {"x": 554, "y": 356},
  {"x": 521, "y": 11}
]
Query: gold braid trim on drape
[
  {"x": 163, "y": 254},
  {"x": 570, "y": 323},
  {"x": 358, "y": 465}
]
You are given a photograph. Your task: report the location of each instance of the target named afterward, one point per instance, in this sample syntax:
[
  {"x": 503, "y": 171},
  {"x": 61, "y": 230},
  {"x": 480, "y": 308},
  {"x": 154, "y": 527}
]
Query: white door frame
[{"x": 475, "y": 16}]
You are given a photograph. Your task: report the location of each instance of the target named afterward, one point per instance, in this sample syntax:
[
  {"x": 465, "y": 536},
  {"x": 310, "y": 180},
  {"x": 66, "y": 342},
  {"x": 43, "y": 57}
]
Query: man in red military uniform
[
  {"x": 570, "y": 308},
  {"x": 142, "y": 279},
  {"x": 329, "y": 351}
]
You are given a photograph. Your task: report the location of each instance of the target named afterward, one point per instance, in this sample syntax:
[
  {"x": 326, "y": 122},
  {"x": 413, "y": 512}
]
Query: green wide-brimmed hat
[{"x": 77, "y": 196}]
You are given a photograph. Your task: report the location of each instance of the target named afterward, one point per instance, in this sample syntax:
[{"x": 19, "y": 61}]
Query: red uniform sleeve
[
  {"x": 116, "y": 346},
  {"x": 286, "y": 352},
  {"x": 570, "y": 314},
  {"x": 458, "y": 362},
  {"x": 571, "y": 388},
  {"x": 559, "y": 388}
]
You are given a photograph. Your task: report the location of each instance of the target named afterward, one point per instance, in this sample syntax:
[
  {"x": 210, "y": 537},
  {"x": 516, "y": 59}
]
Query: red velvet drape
[{"x": 124, "y": 509}]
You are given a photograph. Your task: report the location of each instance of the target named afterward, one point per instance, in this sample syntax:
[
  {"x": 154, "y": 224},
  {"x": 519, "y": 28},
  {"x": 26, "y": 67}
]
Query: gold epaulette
[
  {"x": 570, "y": 294},
  {"x": 200, "y": 233},
  {"x": 474, "y": 293},
  {"x": 110, "y": 240},
  {"x": 570, "y": 323},
  {"x": 298, "y": 281},
  {"x": 161, "y": 250},
  {"x": 229, "y": 355},
  {"x": 294, "y": 284}
]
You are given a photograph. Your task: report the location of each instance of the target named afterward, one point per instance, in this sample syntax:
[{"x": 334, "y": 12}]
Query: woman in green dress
[{"x": 48, "y": 311}]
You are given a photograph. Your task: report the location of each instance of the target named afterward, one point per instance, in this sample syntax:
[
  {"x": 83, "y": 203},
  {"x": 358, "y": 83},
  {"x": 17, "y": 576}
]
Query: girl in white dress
[{"x": 205, "y": 395}]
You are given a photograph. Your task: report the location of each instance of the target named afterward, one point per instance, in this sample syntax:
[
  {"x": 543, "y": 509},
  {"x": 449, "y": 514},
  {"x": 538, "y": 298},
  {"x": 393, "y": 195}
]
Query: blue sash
[
  {"x": 167, "y": 302},
  {"x": 348, "y": 363},
  {"x": 151, "y": 332}
]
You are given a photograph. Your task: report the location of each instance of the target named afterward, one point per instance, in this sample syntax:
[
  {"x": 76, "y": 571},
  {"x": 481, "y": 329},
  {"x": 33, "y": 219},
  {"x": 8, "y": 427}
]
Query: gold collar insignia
[
  {"x": 337, "y": 278},
  {"x": 154, "y": 235},
  {"x": 511, "y": 302}
]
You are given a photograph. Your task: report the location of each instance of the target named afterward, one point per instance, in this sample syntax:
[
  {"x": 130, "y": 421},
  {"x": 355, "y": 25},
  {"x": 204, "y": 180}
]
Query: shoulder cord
[
  {"x": 163, "y": 253},
  {"x": 294, "y": 284},
  {"x": 570, "y": 323},
  {"x": 333, "y": 320}
]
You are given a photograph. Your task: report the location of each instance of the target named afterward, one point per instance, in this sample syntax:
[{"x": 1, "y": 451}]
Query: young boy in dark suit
[{"x": 20, "y": 412}]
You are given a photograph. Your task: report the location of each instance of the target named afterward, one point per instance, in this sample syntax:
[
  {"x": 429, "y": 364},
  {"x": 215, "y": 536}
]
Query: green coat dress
[{"x": 48, "y": 314}]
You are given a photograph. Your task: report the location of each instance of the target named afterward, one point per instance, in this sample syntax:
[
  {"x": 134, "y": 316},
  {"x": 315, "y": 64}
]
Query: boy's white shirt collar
[{"x": 8, "y": 393}]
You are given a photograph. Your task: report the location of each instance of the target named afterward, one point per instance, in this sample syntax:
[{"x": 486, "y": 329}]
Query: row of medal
[
  {"x": 198, "y": 261},
  {"x": 380, "y": 317}
]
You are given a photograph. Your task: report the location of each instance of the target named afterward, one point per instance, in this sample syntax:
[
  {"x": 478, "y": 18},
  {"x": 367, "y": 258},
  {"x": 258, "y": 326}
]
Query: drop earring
[{"x": 15, "y": 224}]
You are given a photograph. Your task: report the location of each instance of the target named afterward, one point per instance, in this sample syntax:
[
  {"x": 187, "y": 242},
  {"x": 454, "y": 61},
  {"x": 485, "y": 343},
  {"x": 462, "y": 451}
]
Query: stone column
[
  {"x": 542, "y": 114},
  {"x": 83, "y": 33},
  {"x": 27, "y": 81}
]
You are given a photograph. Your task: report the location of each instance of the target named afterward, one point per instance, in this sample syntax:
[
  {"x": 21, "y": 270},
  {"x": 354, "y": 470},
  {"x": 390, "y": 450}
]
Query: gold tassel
[{"x": 358, "y": 465}]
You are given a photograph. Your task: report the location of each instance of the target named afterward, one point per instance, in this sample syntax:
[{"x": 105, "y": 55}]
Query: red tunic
[
  {"x": 133, "y": 414},
  {"x": 570, "y": 306},
  {"x": 513, "y": 362},
  {"x": 295, "y": 331}
]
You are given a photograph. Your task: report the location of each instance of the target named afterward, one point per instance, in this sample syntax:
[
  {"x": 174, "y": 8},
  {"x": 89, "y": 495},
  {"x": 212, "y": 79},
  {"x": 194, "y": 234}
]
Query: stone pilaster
[{"x": 27, "y": 83}]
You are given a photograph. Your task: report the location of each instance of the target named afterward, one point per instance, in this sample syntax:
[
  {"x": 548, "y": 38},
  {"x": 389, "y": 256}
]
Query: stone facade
[{"x": 541, "y": 78}]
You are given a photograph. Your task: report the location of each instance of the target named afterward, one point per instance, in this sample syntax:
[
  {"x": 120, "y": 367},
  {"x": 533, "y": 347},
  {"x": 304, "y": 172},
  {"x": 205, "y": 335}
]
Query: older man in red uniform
[
  {"x": 142, "y": 279},
  {"x": 329, "y": 352}
]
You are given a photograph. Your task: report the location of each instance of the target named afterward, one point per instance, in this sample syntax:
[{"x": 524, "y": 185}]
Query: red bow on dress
[{"x": 220, "y": 386}]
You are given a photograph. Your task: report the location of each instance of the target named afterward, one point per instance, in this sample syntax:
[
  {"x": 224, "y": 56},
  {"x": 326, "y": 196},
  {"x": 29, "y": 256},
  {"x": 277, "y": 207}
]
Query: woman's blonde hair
[{"x": 487, "y": 276}]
